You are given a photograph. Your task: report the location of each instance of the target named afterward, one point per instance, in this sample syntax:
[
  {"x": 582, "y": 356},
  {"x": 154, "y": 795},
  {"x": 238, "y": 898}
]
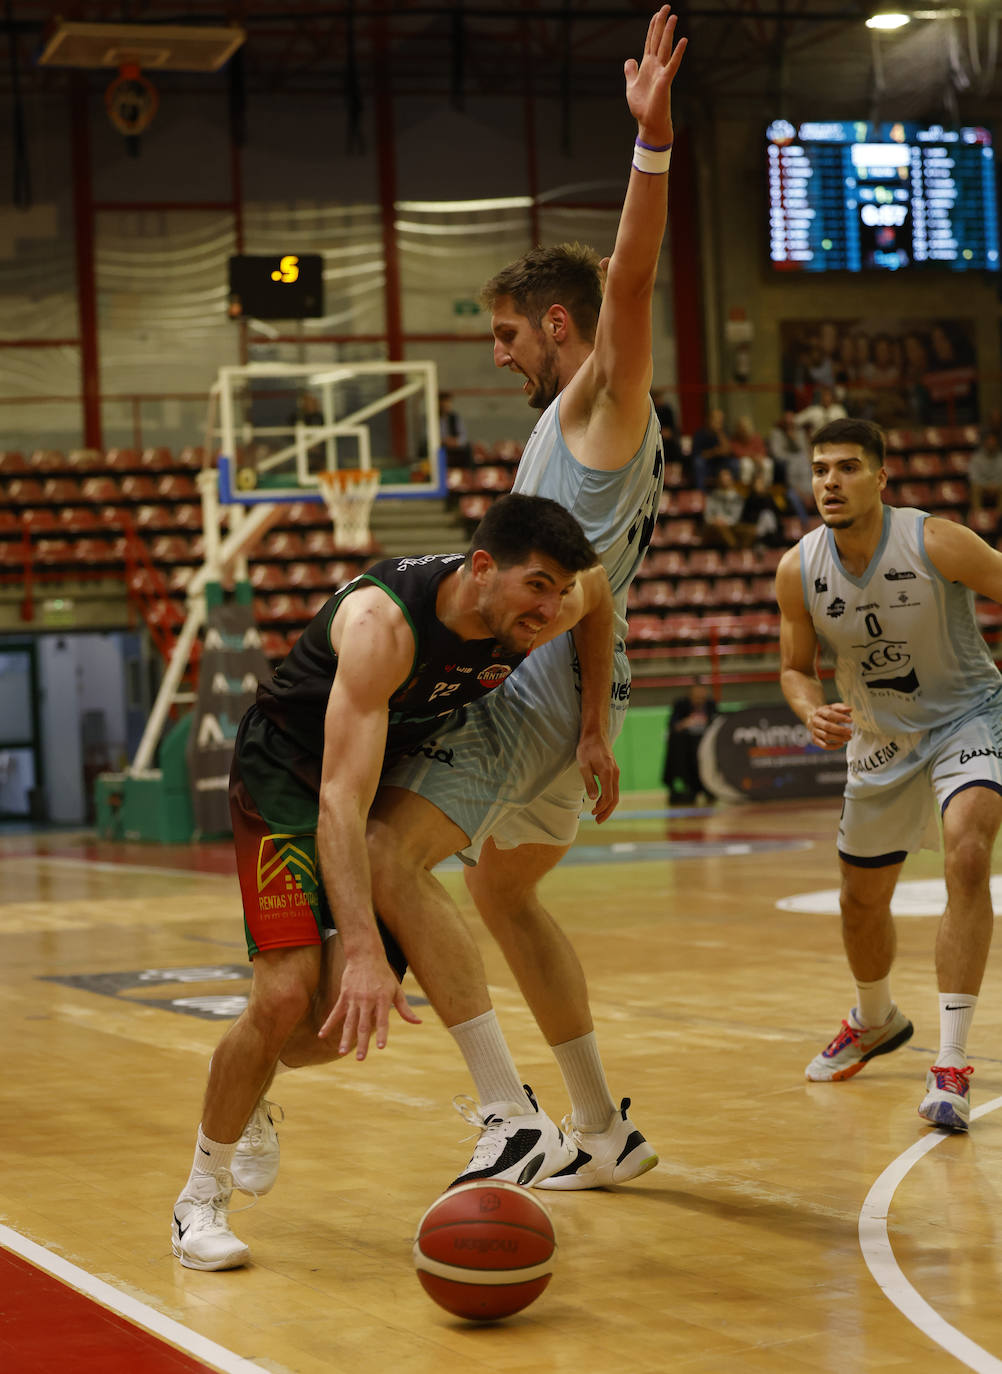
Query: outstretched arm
[{"x": 608, "y": 401}]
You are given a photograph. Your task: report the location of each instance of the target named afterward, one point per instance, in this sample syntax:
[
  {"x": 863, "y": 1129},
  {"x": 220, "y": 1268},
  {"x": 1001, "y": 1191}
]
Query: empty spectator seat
[
  {"x": 156, "y": 459},
  {"x": 81, "y": 460},
  {"x": 122, "y": 460},
  {"x": 138, "y": 487},
  {"x": 11, "y": 461},
  {"x": 48, "y": 460},
  {"x": 103, "y": 491}
]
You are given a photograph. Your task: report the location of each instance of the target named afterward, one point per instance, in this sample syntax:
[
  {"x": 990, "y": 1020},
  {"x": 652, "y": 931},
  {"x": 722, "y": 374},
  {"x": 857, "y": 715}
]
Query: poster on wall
[{"x": 896, "y": 372}]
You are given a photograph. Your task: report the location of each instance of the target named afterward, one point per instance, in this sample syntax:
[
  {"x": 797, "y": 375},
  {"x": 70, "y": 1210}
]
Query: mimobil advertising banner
[{"x": 764, "y": 753}]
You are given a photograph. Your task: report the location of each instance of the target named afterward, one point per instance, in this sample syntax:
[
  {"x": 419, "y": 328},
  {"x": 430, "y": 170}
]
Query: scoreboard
[{"x": 861, "y": 197}]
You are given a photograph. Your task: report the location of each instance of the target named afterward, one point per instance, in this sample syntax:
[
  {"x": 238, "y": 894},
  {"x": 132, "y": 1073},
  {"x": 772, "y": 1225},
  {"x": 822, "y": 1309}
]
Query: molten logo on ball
[{"x": 485, "y": 1250}]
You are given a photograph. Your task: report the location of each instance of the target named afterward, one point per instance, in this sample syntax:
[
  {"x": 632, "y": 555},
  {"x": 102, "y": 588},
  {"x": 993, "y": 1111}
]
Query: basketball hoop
[{"x": 348, "y": 494}]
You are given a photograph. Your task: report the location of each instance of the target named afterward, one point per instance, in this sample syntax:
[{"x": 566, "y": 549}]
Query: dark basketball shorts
[{"x": 273, "y": 793}]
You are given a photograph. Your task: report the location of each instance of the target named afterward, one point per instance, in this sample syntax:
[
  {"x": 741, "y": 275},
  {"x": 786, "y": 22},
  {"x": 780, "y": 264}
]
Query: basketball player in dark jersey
[{"x": 408, "y": 642}]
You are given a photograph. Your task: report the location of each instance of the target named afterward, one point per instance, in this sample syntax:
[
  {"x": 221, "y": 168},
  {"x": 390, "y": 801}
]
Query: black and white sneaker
[
  {"x": 514, "y": 1147},
  {"x": 614, "y": 1155}
]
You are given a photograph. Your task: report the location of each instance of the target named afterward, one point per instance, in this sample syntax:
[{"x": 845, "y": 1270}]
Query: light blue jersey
[
  {"x": 507, "y": 768},
  {"x": 617, "y": 510},
  {"x": 909, "y": 657}
]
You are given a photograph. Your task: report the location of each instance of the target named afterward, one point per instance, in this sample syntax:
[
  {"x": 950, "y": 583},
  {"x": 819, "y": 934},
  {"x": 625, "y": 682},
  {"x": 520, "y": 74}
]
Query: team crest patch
[{"x": 494, "y": 675}]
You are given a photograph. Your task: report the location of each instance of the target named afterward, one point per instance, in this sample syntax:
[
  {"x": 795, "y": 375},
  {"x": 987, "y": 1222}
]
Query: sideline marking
[
  {"x": 131, "y": 1308},
  {"x": 879, "y": 1256}
]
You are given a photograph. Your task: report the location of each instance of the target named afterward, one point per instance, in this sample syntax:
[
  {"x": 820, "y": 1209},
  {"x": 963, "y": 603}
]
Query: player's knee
[
  {"x": 968, "y": 862},
  {"x": 279, "y": 1004}
]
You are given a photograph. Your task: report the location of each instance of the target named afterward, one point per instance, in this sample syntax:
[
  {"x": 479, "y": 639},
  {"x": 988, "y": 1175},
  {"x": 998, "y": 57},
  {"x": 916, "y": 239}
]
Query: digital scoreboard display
[
  {"x": 283, "y": 286},
  {"x": 859, "y": 197}
]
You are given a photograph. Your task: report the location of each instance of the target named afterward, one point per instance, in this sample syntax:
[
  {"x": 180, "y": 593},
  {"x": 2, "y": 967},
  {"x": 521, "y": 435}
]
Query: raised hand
[{"x": 648, "y": 86}]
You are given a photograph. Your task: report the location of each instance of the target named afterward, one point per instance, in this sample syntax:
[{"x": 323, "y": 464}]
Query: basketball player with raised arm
[
  {"x": 511, "y": 795},
  {"x": 889, "y": 592}
]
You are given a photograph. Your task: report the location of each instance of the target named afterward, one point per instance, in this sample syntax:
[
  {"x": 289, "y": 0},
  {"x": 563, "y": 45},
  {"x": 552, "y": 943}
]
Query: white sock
[
  {"x": 581, "y": 1066},
  {"x": 956, "y": 1012},
  {"x": 489, "y": 1060},
  {"x": 873, "y": 1002},
  {"x": 210, "y": 1157}
]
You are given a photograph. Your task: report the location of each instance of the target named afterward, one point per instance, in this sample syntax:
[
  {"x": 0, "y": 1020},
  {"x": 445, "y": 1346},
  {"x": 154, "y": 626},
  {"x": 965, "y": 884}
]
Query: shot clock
[{"x": 281, "y": 286}]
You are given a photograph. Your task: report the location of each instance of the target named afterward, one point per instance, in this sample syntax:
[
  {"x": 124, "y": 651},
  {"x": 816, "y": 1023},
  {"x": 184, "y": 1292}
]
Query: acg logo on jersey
[
  {"x": 888, "y": 667},
  {"x": 494, "y": 675}
]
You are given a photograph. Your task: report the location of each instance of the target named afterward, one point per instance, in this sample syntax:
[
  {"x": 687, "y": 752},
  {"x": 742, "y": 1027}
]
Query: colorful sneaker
[
  {"x": 855, "y": 1045},
  {"x": 520, "y": 1147},
  {"x": 200, "y": 1230},
  {"x": 614, "y": 1155},
  {"x": 256, "y": 1158},
  {"x": 948, "y": 1097}
]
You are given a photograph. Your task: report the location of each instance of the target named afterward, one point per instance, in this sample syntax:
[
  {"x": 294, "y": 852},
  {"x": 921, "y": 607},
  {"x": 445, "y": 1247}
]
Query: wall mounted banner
[{"x": 765, "y": 754}]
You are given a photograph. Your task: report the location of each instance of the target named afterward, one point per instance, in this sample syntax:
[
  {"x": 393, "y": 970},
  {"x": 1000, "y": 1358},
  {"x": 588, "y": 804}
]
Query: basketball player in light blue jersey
[
  {"x": 506, "y": 787},
  {"x": 520, "y": 773},
  {"x": 890, "y": 593}
]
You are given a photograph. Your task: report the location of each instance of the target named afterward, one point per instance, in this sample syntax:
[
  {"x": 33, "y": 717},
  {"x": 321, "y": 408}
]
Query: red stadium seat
[
  {"x": 62, "y": 491},
  {"x": 187, "y": 517},
  {"x": 176, "y": 486},
  {"x": 156, "y": 459},
  {"x": 926, "y": 465},
  {"x": 267, "y": 577},
  {"x": 101, "y": 490},
  {"x": 191, "y": 457},
  {"x": 82, "y": 460},
  {"x": 93, "y": 551},
  {"x": 77, "y": 518},
  {"x": 48, "y": 460},
  {"x": 26, "y": 491},
  {"x": 40, "y": 518},
  {"x": 11, "y": 461},
  {"x": 138, "y": 487},
  {"x": 123, "y": 460}
]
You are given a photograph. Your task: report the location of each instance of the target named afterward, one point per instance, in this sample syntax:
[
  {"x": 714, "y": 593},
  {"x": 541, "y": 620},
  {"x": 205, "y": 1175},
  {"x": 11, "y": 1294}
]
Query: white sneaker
[
  {"x": 948, "y": 1097},
  {"x": 256, "y": 1158},
  {"x": 200, "y": 1230},
  {"x": 614, "y": 1155},
  {"x": 513, "y": 1148},
  {"x": 854, "y": 1046}
]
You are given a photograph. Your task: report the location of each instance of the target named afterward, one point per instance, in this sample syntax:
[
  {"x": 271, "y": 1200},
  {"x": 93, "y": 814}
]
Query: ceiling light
[{"x": 889, "y": 19}]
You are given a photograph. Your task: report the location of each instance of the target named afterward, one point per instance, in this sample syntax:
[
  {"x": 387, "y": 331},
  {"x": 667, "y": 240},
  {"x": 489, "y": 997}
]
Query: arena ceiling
[{"x": 799, "y": 58}]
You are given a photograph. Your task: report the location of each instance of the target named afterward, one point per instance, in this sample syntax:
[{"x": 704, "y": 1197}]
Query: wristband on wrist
[{"x": 651, "y": 159}]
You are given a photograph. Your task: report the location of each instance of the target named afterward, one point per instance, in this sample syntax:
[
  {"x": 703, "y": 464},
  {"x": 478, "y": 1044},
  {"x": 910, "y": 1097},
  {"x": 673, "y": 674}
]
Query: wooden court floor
[{"x": 790, "y": 1226}]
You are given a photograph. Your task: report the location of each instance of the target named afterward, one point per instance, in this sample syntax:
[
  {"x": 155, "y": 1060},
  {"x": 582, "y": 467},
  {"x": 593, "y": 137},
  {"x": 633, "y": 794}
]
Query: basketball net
[{"x": 348, "y": 494}]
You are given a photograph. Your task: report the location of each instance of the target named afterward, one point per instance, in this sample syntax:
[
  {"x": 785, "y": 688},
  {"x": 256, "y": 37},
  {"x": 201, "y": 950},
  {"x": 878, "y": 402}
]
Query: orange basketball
[{"x": 485, "y": 1250}]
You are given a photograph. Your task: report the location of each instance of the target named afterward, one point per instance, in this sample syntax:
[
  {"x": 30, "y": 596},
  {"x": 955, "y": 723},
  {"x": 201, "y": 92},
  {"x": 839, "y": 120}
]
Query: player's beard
[{"x": 547, "y": 383}]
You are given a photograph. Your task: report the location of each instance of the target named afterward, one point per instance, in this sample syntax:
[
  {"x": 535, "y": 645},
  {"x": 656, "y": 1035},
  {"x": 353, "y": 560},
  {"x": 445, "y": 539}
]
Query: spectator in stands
[
  {"x": 984, "y": 475},
  {"x": 749, "y": 448},
  {"x": 308, "y": 411},
  {"x": 915, "y": 366},
  {"x": 722, "y": 511},
  {"x": 687, "y": 724},
  {"x": 669, "y": 433},
  {"x": 884, "y": 397},
  {"x": 455, "y": 446},
  {"x": 791, "y": 458},
  {"x": 761, "y": 518},
  {"x": 712, "y": 452},
  {"x": 822, "y": 412}
]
